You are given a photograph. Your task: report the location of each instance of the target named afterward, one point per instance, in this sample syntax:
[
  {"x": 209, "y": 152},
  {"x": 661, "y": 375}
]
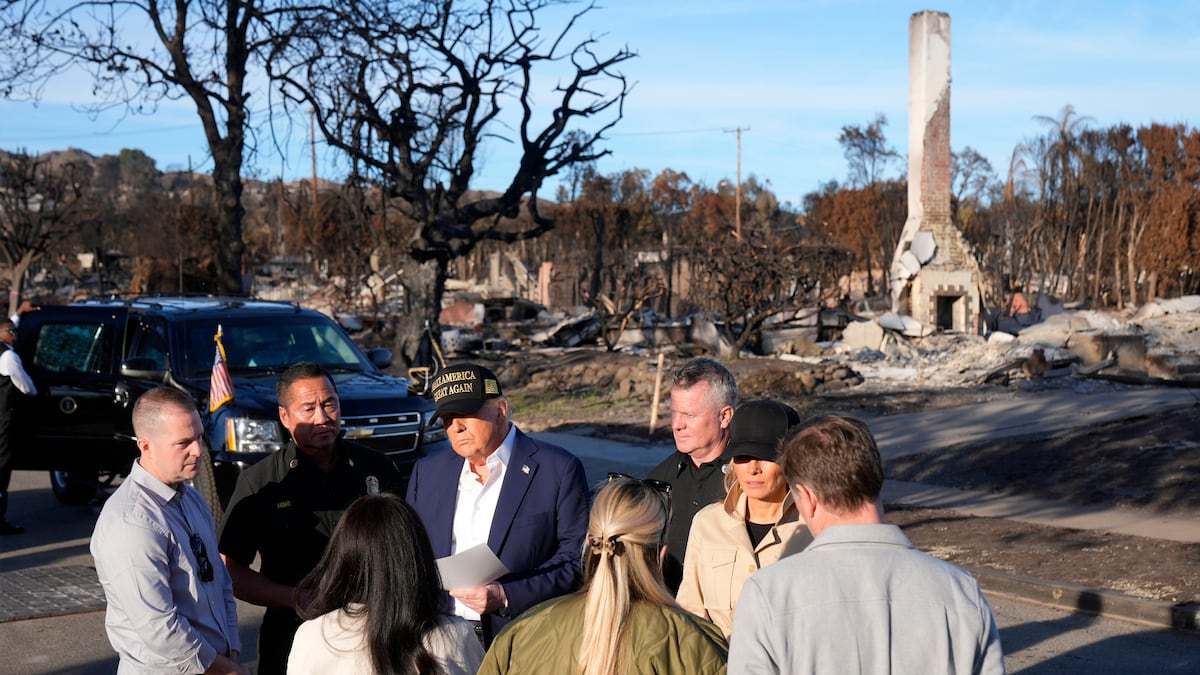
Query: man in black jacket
[{"x": 703, "y": 397}]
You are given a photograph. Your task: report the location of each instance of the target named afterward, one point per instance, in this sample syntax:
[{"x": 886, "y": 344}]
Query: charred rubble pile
[
  {"x": 625, "y": 376},
  {"x": 1157, "y": 343},
  {"x": 564, "y": 352}
]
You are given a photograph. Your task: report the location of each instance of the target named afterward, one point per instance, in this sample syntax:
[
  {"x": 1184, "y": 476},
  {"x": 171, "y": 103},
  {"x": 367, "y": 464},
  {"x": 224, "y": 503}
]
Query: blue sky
[{"x": 792, "y": 73}]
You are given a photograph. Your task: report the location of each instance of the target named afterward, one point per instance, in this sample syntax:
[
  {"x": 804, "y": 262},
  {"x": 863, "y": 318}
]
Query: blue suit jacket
[{"x": 539, "y": 526}]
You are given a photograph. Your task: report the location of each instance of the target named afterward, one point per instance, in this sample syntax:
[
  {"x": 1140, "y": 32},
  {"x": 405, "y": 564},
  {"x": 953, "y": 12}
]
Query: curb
[{"x": 1183, "y": 616}]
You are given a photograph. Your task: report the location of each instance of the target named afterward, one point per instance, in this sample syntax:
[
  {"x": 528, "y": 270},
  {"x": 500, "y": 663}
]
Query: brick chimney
[{"x": 934, "y": 276}]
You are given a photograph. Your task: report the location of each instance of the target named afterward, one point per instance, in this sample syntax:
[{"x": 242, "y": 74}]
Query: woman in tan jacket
[{"x": 756, "y": 525}]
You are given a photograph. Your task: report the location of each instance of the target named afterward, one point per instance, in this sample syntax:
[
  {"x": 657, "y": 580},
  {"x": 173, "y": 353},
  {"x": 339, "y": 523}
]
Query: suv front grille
[{"x": 395, "y": 435}]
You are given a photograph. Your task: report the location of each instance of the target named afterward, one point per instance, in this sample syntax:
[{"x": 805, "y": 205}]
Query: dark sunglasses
[
  {"x": 205, "y": 567},
  {"x": 662, "y": 487}
]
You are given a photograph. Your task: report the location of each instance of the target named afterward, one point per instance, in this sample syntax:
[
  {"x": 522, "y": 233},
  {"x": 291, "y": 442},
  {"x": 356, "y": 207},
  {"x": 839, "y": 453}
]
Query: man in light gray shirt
[
  {"x": 860, "y": 598},
  {"x": 170, "y": 598}
]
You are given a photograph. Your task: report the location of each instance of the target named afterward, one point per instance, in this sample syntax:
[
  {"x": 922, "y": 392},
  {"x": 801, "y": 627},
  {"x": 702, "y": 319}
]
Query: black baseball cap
[
  {"x": 462, "y": 388},
  {"x": 757, "y": 427}
]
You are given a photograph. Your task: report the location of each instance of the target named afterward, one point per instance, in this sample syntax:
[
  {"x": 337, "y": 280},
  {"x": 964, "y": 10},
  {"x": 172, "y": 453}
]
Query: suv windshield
[{"x": 269, "y": 344}]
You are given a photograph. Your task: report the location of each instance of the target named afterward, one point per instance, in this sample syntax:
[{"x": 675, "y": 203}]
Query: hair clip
[{"x": 612, "y": 546}]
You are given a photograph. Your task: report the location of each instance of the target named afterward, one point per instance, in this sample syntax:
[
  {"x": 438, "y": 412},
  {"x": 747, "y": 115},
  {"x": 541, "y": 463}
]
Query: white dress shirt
[
  {"x": 476, "y": 506},
  {"x": 12, "y": 368}
]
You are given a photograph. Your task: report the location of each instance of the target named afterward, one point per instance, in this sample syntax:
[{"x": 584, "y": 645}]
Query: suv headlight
[
  {"x": 432, "y": 430},
  {"x": 246, "y": 434}
]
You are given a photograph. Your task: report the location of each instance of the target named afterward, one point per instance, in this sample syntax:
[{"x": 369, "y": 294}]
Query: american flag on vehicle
[{"x": 220, "y": 387}]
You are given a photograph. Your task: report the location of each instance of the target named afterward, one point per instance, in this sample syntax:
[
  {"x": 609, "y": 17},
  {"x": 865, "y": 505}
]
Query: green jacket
[{"x": 661, "y": 640}]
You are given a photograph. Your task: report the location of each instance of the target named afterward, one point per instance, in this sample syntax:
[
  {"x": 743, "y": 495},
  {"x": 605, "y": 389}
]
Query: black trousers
[
  {"x": 5, "y": 478},
  {"x": 275, "y": 640},
  {"x": 6, "y": 454}
]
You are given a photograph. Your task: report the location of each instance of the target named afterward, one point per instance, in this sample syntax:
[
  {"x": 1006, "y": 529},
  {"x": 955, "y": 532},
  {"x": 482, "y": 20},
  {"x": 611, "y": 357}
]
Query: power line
[
  {"x": 97, "y": 136},
  {"x": 669, "y": 133},
  {"x": 140, "y": 132}
]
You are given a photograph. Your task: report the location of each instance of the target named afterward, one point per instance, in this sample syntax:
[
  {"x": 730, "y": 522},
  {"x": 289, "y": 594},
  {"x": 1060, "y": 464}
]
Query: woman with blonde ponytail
[{"x": 624, "y": 620}]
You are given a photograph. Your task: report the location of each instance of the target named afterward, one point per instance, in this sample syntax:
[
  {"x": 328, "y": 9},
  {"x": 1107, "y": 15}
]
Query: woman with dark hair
[
  {"x": 624, "y": 620},
  {"x": 375, "y": 601}
]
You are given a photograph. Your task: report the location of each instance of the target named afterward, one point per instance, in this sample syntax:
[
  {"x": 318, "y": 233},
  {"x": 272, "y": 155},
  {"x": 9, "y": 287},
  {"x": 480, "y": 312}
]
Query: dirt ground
[{"x": 1149, "y": 463}]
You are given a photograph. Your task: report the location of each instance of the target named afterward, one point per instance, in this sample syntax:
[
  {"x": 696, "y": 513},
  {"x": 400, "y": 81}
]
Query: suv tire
[{"x": 72, "y": 489}]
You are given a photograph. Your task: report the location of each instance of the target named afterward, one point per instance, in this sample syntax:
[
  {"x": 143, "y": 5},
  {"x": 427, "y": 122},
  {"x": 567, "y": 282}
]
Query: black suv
[{"x": 91, "y": 360}]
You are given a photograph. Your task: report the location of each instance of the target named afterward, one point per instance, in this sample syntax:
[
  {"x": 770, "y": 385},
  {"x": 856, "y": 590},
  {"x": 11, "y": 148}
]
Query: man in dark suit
[{"x": 526, "y": 500}]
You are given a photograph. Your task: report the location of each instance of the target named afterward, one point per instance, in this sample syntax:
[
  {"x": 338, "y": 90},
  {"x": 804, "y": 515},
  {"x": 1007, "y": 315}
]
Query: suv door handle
[{"x": 121, "y": 395}]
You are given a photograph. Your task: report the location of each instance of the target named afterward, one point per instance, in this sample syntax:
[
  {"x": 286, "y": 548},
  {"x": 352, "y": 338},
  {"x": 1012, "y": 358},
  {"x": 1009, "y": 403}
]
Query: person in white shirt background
[{"x": 14, "y": 384}]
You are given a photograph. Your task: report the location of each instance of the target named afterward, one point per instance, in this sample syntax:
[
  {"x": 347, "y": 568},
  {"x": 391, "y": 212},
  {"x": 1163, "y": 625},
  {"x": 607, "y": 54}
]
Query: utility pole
[
  {"x": 281, "y": 250},
  {"x": 312, "y": 139},
  {"x": 737, "y": 193},
  {"x": 178, "y": 231}
]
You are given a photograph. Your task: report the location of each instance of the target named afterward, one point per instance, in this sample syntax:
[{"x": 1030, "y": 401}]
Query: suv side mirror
[
  {"x": 142, "y": 368},
  {"x": 382, "y": 358}
]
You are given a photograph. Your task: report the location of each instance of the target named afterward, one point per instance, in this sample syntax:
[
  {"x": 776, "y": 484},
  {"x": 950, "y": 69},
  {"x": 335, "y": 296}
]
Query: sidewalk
[{"x": 1043, "y": 512}]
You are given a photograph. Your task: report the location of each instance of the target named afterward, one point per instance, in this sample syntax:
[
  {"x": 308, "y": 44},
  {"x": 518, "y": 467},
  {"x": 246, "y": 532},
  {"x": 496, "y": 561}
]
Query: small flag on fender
[{"x": 220, "y": 387}]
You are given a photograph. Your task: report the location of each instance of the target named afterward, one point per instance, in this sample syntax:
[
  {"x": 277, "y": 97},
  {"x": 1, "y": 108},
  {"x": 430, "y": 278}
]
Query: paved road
[
  {"x": 1036, "y": 640},
  {"x": 1052, "y": 642}
]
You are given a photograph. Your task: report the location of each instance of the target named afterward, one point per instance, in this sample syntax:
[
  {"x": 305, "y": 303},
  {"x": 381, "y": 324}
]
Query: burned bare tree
[
  {"x": 868, "y": 155},
  {"x": 867, "y": 151},
  {"x": 142, "y": 52},
  {"x": 170, "y": 235},
  {"x": 348, "y": 234},
  {"x": 414, "y": 91},
  {"x": 745, "y": 283},
  {"x": 37, "y": 202},
  {"x": 613, "y": 232}
]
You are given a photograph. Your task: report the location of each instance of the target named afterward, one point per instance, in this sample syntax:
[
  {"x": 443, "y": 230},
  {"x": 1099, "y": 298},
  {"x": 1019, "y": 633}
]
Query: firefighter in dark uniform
[{"x": 285, "y": 507}]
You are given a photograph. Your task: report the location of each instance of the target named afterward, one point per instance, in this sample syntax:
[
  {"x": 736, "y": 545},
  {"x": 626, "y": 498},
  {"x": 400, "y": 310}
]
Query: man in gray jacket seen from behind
[{"x": 860, "y": 598}]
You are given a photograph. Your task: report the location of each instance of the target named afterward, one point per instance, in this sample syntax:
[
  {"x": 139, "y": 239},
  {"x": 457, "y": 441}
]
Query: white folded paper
[{"x": 473, "y": 567}]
